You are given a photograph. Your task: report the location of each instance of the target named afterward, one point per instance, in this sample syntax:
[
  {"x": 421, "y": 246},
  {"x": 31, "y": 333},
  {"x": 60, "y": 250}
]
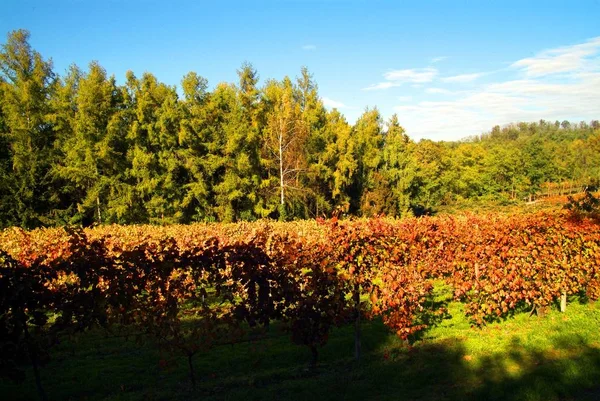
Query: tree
[
  {"x": 93, "y": 159},
  {"x": 397, "y": 171},
  {"x": 315, "y": 197},
  {"x": 366, "y": 143},
  {"x": 429, "y": 190},
  {"x": 26, "y": 86},
  {"x": 537, "y": 164},
  {"x": 156, "y": 170},
  {"x": 237, "y": 187},
  {"x": 284, "y": 138},
  {"x": 336, "y": 164},
  {"x": 8, "y": 214},
  {"x": 504, "y": 170},
  {"x": 464, "y": 177}
]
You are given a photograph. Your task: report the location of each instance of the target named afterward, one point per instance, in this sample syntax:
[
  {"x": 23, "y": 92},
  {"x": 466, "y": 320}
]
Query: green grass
[{"x": 550, "y": 357}]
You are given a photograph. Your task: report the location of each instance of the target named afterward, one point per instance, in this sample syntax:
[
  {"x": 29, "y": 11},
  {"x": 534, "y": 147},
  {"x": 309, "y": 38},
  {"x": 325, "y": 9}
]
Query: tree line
[{"x": 80, "y": 148}]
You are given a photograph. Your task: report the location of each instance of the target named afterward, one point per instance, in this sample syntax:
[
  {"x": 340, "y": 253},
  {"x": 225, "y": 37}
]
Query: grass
[{"x": 549, "y": 357}]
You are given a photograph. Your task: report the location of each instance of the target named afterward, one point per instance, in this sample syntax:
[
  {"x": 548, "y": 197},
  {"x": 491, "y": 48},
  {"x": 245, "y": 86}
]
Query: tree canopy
[{"x": 83, "y": 149}]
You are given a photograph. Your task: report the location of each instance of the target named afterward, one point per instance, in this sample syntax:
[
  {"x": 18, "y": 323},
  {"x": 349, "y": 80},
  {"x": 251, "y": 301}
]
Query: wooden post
[
  {"x": 99, "y": 215},
  {"x": 357, "y": 321}
]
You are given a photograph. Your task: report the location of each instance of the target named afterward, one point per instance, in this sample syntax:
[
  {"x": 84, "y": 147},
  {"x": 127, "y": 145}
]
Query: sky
[{"x": 448, "y": 69}]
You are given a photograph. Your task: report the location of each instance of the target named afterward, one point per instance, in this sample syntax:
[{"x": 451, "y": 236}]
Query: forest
[{"x": 81, "y": 148}]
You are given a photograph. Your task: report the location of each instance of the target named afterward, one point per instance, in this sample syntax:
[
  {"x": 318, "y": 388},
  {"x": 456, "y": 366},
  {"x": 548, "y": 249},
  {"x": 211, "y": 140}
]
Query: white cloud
[
  {"x": 560, "y": 60},
  {"x": 441, "y": 91},
  {"x": 463, "y": 78},
  {"x": 438, "y": 59},
  {"x": 381, "y": 85},
  {"x": 399, "y": 77},
  {"x": 404, "y": 98},
  {"x": 559, "y": 84},
  {"x": 327, "y": 102},
  {"x": 420, "y": 75},
  {"x": 309, "y": 47}
]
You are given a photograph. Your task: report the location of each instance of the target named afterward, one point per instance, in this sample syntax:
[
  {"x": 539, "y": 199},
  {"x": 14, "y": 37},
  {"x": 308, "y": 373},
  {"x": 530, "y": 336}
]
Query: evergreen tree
[
  {"x": 27, "y": 85},
  {"x": 314, "y": 197},
  {"x": 156, "y": 171},
  {"x": 398, "y": 172},
  {"x": 93, "y": 159},
  {"x": 366, "y": 143}
]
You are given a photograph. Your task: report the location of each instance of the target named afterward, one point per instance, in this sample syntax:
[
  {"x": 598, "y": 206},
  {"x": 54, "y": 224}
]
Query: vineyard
[{"x": 189, "y": 289}]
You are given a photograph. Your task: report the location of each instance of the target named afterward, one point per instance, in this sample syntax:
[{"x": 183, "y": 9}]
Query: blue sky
[{"x": 449, "y": 69}]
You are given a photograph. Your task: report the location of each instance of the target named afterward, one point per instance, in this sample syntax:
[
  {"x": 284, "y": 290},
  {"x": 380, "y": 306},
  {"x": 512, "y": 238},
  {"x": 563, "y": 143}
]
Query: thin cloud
[
  {"x": 309, "y": 47},
  {"x": 463, "y": 78},
  {"x": 560, "y": 60},
  {"x": 438, "y": 59},
  {"x": 399, "y": 77},
  {"x": 381, "y": 85},
  {"x": 413, "y": 75},
  {"x": 441, "y": 91},
  {"x": 327, "y": 102}
]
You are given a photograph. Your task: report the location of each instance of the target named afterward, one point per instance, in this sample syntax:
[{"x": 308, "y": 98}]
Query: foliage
[
  {"x": 587, "y": 205},
  {"x": 80, "y": 148}
]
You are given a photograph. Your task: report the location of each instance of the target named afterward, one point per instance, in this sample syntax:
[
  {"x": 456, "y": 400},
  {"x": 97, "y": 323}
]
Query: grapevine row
[{"x": 191, "y": 288}]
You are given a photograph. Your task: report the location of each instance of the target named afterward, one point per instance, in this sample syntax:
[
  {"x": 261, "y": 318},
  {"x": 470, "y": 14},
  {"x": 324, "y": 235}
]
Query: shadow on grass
[
  {"x": 438, "y": 371},
  {"x": 571, "y": 370},
  {"x": 444, "y": 370},
  {"x": 430, "y": 370},
  {"x": 435, "y": 311}
]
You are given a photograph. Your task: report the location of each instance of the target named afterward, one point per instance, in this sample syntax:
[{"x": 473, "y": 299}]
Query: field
[{"x": 441, "y": 308}]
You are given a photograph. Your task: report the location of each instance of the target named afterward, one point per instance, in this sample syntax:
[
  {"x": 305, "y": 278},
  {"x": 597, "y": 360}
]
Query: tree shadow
[
  {"x": 571, "y": 370},
  {"x": 440, "y": 370},
  {"x": 435, "y": 311},
  {"x": 445, "y": 371}
]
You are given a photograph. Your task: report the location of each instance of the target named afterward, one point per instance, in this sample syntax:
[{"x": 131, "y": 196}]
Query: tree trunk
[
  {"x": 34, "y": 362},
  {"x": 314, "y": 357},
  {"x": 563, "y": 301},
  {"x": 38, "y": 380},
  {"x": 191, "y": 366}
]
